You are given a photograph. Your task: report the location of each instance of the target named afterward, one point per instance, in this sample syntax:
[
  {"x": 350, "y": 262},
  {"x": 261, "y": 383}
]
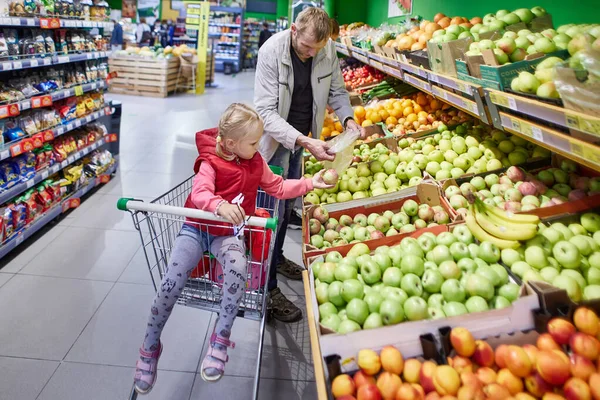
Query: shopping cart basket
[{"x": 159, "y": 223}]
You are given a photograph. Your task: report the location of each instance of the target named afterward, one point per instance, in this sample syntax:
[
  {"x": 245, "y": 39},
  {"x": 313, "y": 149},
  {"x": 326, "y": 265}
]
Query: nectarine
[
  {"x": 486, "y": 375},
  {"x": 446, "y": 380},
  {"x": 483, "y": 355},
  {"x": 391, "y": 360},
  {"x": 500, "y": 355},
  {"x": 426, "y": 376},
  {"x": 586, "y": 321},
  {"x": 388, "y": 384},
  {"x": 360, "y": 378},
  {"x": 513, "y": 383},
  {"x": 536, "y": 385},
  {"x": 577, "y": 389},
  {"x": 368, "y": 392},
  {"x": 369, "y": 362},
  {"x": 560, "y": 330},
  {"x": 595, "y": 385},
  {"x": 462, "y": 364},
  {"x": 546, "y": 342},
  {"x": 412, "y": 368},
  {"x": 585, "y": 345},
  {"x": 581, "y": 367},
  {"x": 343, "y": 385},
  {"x": 518, "y": 362},
  {"x": 553, "y": 368},
  {"x": 407, "y": 392},
  {"x": 494, "y": 391}
]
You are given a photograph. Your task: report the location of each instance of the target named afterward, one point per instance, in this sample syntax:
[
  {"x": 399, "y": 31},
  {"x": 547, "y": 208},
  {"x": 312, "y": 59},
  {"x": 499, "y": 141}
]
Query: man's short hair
[
  {"x": 265, "y": 24},
  {"x": 315, "y": 22},
  {"x": 335, "y": 27}
]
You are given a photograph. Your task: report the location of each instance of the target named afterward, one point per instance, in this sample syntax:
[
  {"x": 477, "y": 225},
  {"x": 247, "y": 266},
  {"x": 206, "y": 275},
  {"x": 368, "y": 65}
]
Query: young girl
[{"x": 228, "y": 164}]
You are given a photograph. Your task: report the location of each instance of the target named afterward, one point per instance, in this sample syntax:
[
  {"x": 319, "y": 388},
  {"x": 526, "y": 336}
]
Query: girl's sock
[{"x": 231, "y": 254}]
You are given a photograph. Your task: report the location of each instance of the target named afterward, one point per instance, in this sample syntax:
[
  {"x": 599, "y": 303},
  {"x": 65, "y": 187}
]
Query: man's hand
[
  {"x": 317, "y": 148},
  {"x": 351, "y": 124},
  {"x": 232, "y": 213}
]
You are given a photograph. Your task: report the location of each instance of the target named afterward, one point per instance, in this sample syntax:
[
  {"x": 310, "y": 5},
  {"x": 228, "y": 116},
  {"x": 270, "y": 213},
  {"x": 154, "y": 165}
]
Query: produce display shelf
[
  {"x": 580, "y": 151},
  {"x": 472, "y": 107},
  {"x": 418, "y": 83},
  {"x": 59, "y": 95},
  {"x": 383, "y": 59},
  {"x": 56, "y": 131},
  {"x": 53, "y": 213},
  {"x": 453, "y": 83},
  {"x": 64, "y": 23},
  {"x": 421, "y": 72},
  {"x": 566, "y": 118},
  {"x": 54, "y": 60},
  {"x": 342, "y": 49},
  {"x": 46, "y": 172},
  {"x": 314, "y": 339}
]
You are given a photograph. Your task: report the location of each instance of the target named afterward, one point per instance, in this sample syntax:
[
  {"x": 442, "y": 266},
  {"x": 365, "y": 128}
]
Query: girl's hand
[
  {"x": 232, "y": 213},
  {"x": 318, "y": 182}
]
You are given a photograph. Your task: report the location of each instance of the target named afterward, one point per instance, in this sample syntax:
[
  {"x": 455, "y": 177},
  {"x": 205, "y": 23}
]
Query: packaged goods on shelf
[{"x": 73, "y": 9}]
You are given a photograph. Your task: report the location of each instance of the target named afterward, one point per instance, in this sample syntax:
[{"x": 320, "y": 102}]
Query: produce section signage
[
  {"x": 399, "y": 8},
  {"x": 197, "y": 19}
]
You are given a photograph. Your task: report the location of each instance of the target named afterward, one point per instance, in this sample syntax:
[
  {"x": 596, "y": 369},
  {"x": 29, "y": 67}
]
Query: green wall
[
  {"x": 260, "y": 16},
  {"x": 563, "y": 12},
  {"x": 348, "y": 11}
]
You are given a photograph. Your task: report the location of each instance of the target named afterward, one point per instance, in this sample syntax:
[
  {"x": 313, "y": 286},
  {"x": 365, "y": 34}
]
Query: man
[
  {"x": 143, "y": 35},
  {"x": 264, "y": 34},
  {"x": 297, "y": 75},
  {"x": 335, "y": 30},
  {"x": 116, "y": 39}
]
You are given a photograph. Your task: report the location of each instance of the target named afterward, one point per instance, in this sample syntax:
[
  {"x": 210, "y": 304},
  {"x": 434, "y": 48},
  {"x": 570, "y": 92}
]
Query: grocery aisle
[{"x": 75, "y": 298}]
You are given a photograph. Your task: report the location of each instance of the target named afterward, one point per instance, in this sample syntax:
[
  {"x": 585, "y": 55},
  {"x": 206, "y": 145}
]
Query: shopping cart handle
[{"x": 131, "y": 204}]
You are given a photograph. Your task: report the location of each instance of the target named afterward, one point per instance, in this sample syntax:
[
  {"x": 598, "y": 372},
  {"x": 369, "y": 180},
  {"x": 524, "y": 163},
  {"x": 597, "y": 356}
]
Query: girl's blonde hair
[{"x": 237, "y": 122}]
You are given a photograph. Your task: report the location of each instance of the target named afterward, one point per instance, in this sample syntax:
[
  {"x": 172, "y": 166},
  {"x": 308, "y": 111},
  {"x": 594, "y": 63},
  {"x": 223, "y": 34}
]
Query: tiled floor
[{"x": 75, "y": 298}]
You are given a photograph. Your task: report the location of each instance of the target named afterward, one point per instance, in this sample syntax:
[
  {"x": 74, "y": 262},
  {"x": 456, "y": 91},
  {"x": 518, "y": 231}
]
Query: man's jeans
[{"x": 291, "y": 162}]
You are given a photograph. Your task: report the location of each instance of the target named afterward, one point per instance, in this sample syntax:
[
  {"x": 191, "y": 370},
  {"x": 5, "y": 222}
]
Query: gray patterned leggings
[{"x": 185, "y": 256}]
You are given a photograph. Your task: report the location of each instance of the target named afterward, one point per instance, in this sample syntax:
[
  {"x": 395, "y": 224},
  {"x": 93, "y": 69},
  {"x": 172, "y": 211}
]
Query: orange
[
  {"x": 421, "y": 100},
  {"x": 359, "y": 111},
  {"x": 391, "y": 121},
  {"x": 407, "y": 111},
  {"x": 411, "y": 118},
  {"x": 398, "y": 105},
  {"x": 375, "y": 118},
  {"x": 395, "y": 113},
  {"x": 417, "y": 108},
  {"x": 435, "y": 105},
  {"x": 338, "y": 126},
  {"x": 325, "y": 132},
  {"x": 384, "y": 115}
]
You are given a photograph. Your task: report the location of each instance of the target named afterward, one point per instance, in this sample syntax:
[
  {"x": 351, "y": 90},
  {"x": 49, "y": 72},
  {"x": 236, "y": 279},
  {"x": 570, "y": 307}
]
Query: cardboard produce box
[
  {"x": 556, "y": 301},
  {"x": 442, "y": 55},
  {"x": 427, "y": 193}
]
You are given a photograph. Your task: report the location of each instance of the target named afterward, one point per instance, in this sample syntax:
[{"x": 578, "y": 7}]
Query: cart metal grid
[{"x": 159, "y": 222}]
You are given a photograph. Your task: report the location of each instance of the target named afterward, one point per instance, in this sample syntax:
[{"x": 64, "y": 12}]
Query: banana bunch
[{"x": 504, "y": 230}]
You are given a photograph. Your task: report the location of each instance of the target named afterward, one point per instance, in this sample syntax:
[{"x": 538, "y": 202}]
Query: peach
[
  {"x": 419, "y": 389},
  {"x": 536, "y": 385},
  {"x": 369, "y": 362},
  {"x": 586, "y": 321},
  {"x": 462, "y": 341},
  {"x": 518, "y": 361},
  {"x": 461, "y": 364},
  {"x": 368, "y": 392},
  {"x": 432, "y": 396},
  {"x": 470, "y": 392},
  {"x": 585, "y": 345},
  {"x": 531, "y": 351},
  {"x": 470, "y": 379},
  {"x": 388, "y": 384},
  {"x": 406, "y": 391},
  {"x": 412, "y": 368},
  {"x": 483, "y": 355},
  {"x": 426, "y": 376},
  {"x": 343, "y": 385},
  {"x": 560, "y": 330},
  {"x": 513, "y": 383},
  {"x": 391, "y": 360},
  {"x": 577, "y": 389},
  {"x": 581, "y": 367},
  {"x": 524, "y": 396},
  {"x": 486, "y": 375},
  {"x": 446, "y": 380},
  {"x": 495, "y": 391},
  {"x": 500, "y": 355},
  {"x": 552, "y": 396},
  {"x": 360, "y": 378},
  {"x": 553, "y": 368},
  {"x": 448, "y": 397},
  {"x": 595, "y": 385},
  {"x": 346, "y": 397},
  {"x": 546, "y": 342}
]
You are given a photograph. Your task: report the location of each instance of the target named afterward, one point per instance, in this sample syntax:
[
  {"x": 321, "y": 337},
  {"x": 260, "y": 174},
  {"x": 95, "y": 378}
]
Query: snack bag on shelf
[
  {"x": 32, "y": 208},
  {"x": 9, "y": 175},
  {"x": 44, "y": 198},
  {"x": 7, "y": 222},
  {"x": 19, "y": 213}
]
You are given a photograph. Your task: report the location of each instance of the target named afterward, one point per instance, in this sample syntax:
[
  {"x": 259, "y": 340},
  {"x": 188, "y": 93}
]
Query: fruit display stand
[{"x": 144, "y": 76}]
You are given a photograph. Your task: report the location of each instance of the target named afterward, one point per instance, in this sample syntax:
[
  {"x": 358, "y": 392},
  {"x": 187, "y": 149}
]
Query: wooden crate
[{"x": 143, "y": 77}]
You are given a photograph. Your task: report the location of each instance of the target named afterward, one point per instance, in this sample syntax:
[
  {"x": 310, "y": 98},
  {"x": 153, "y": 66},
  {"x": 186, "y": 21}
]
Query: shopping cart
[{"x": 159, "y": 222}]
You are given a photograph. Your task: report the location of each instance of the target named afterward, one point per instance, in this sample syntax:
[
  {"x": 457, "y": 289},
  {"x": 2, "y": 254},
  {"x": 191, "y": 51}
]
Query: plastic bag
[
  {"x": 341, "y": 146},
  {"x": 579, "y": 87}
]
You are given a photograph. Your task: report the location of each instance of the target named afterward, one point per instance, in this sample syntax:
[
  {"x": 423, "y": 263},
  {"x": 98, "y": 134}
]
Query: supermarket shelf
[
  {"x": 46, "y": 172},
  {"x": 15, "y": 147},
  {"x": 54, "y": 60},
  {"x": 64, "y": 23},
  {"x": 59, "y": 95},
  {"x": 560, "y": 116},
  {"x": 418, "y": 83},
  {"x": 421, "y": 72},
  {"x": 469, "y": 106},
  {"x": 229, "y": 25},
  {"x": 342, "y": 49},
  {"x": 237, "y": 10},
  {"x": 52, "y": 214},
  {"x": 229, "y": 43},
  {"x": 216, "y": 34}
]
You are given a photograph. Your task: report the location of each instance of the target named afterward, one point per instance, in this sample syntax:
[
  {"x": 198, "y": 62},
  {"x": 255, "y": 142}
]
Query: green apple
[
  {"x": 510, "y": 256},
  {"x": 489, "y": 252},
  {"x": 373, "y": 321},
  {"x": 351, "y": 289},
  {"x": 582, "y": 244},
  {"x": 370, "y": 272},
  {"x": 412, "y": 264},
  {"x": 502, "y": 273},
  {"x": 446, "y": 239},
  {"x": 348, "y": 326},
  {"x": 436, "y": 313},
  {"x": 436, "y": 300},
  {"x": 479, "y": 285},
  {"x": 316, "y": 267},
  {"x": 467, "y": 265},
  {"x": 575, "y": 275},
  {"x": 591, "y": 292},
  {"x": 411, "y": 284},
  {"x": 334, "y": 293},
  {"x": 509, "y": 291},
  {"x": 392, "y": 277},
  {"x": 499, "y": 302},
  {"x": 332, "y": 322},
  {"x": 411, "y": 246},
  {"x": 593, "y": 276},
  {"x": 570, "y": 285},
  {"x": 548, "y": 274},
  {"x": 452, "y": 290},
  {"x": 357, "y": 311},
  {"x": 327, "y": 272},
  {"x": 334, "y": 257},
  {"x": 321, "y": 292},
  {"x": 449, "y": 270},
  {"x": 567, "y": 254},
  {"x": 373, "y": 301},
  {"x": 453, "y": 309},
  {"x": 476, "y": 304},
  {"x": 463, "y": 234},
  {"x": 391, "y": 312},
  {"x": 432, "y": 281},
  {"x": 553, "y": 235},
  {"x": 519, "y": 268},
  {"x": 459, "y": 250},
  {"x": 344, "y": 272},
  {"x": 440, "y": 253},
  {"x": 474, "y": 250},
  {"x": 532, "y": 275},
  {"x": 393, "y": 293},
  {"x": 567, "y": 233},
  {"x": 326, "y": 309},
  {"x": 489, "y": 273},
  {"x": 415, "y": 309},
  {"x": 591, "y": 222},
  {"x": 430, "y": 265},
  {"x": 396, "y": 254},
  {"x": 427, "y": 243},
  {"x": 536, "y": 257},
  {"x": 596, "y": 237},
  {"x": 349, "y": 260}
]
